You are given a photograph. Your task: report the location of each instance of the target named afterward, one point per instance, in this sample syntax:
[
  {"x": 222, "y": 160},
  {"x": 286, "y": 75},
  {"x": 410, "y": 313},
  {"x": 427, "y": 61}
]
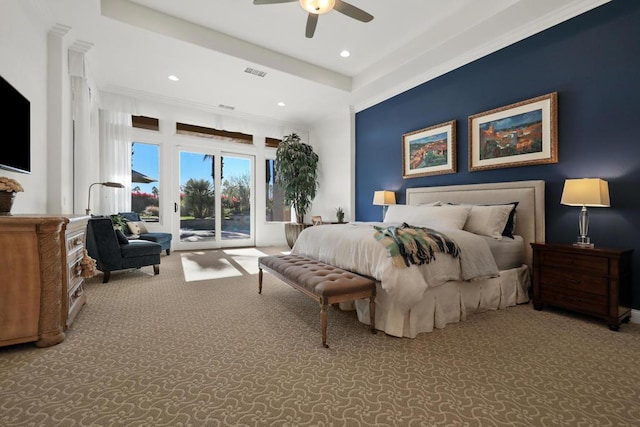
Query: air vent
[
  {"x": 255, "y": 72},
  {"x": 226, "y": 107}
]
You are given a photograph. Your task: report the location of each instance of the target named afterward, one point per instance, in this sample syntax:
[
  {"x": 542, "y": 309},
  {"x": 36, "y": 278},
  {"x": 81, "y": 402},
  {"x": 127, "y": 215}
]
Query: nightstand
[{"x": 594, "y": 281}]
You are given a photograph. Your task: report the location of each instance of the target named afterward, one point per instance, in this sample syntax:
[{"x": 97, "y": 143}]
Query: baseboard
[{"x": 635, "y": 316}]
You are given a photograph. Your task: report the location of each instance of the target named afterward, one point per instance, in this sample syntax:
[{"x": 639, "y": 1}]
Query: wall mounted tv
[{"x": 16, "y": 124}]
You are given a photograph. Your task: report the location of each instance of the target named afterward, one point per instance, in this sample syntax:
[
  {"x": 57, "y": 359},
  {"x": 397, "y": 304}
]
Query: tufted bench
[{"x": 322, "y": 282}]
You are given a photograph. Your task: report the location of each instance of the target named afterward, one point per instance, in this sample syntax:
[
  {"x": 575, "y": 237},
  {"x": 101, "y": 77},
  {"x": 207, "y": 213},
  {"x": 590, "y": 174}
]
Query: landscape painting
[
  {"x": 429, "y": 151},
  {"x": 519, "y": 134}
]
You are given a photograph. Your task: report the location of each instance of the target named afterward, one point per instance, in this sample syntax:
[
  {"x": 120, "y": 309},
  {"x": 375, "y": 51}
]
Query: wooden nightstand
[{"x": 594, "y": 281}]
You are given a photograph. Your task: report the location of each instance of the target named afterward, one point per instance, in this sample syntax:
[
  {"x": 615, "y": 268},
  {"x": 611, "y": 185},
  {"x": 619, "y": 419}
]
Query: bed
[{"x": 417, "y": 299}]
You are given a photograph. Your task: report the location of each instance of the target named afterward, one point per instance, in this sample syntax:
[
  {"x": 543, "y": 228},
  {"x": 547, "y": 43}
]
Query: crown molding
[{"x": 405, "y": 78}]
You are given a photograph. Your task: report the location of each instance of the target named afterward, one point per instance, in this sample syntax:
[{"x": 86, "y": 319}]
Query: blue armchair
[
  {"x": 114, "y": 253},
  {"x": 164, "y": 239}
]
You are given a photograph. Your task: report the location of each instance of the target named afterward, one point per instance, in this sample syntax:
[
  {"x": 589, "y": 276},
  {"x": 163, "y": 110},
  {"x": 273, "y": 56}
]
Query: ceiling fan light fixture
[{"x": 317, "y": 7}]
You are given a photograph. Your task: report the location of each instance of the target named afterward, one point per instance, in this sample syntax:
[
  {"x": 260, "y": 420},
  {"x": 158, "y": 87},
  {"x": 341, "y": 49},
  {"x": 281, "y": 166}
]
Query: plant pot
[
  {"x": 6, "y": 202},
  {"x": 292, "y": 230}
]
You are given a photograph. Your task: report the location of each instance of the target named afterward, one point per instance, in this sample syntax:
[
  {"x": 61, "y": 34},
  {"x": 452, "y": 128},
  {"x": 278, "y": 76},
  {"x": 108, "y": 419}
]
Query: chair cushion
[
  {"x": 138, "y": 248},
  {"x": 156, "y": 237}
]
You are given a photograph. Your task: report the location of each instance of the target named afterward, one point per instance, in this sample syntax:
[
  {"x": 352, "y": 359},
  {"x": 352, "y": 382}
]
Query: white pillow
[
  {"x": 488, "y": 220},
  {"x": 137, "y": 227},
  {"x": 428, "y": 216}
]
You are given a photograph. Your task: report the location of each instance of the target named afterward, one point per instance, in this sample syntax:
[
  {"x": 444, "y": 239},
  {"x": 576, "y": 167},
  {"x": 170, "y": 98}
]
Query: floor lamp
[{"x": 104, "y": 184}]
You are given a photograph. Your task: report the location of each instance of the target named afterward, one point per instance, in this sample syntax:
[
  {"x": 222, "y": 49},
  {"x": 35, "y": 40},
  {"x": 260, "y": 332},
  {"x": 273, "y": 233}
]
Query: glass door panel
[
  {"x": 197, "y": 199},
  {"x": 236, "y": 197},
  {"x": 216, "y": 200}
]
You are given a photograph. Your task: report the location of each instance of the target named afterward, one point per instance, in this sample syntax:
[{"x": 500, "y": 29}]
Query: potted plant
[
  {"x": 119, "y": 223},
  {"x": 8, "y": 189},
  {"x": 340, "y": 215},
  {"x": 296, "y": 170}
]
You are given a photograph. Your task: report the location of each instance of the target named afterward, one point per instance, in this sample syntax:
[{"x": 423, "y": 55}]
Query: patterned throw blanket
[{"x": 414, "y": 245}]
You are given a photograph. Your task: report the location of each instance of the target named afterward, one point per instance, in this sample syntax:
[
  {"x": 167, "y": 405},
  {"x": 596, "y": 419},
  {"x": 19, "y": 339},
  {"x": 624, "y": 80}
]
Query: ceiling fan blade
[
  {"x": 352, "y": 11},
  {"x": 312, "y": 21},
  {"x": 272, "y": 1}
]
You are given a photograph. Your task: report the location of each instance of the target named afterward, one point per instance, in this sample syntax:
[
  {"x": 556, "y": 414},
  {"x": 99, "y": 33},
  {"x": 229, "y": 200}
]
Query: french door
[{"x": 216, "y": 199}]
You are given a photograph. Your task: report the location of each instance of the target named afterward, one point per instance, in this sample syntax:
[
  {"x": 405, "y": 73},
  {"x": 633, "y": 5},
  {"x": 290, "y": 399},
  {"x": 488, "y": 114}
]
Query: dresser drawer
[
  {"x": 583, "y": 282},
  {"x": 74, "y": 271},
  {"x": 75, "y": 244},
  {"x": 574, "y": 300},
  {"x": 75, "y": 301},
  {"x": 573, "y": 262}
]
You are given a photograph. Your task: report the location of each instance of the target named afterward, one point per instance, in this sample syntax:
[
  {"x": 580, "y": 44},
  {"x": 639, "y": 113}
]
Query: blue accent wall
[{"x": 593, "y": 62}]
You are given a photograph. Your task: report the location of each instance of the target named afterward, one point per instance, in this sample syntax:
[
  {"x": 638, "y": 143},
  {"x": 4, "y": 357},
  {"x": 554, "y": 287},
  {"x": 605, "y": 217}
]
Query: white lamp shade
[
  {"x": 317, "y": 7},
  {"x": 586, "y": 192},
  {"x": 384, "y": 198}
]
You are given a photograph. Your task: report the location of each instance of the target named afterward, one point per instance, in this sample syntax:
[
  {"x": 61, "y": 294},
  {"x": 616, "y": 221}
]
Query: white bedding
[
  {"x": 508, "y": 253},
  {"x": 353, "y": 247}
]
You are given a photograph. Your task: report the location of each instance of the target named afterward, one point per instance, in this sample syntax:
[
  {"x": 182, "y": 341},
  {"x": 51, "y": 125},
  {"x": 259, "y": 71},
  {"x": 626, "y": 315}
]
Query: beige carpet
[{"x": 162, "y": 351}]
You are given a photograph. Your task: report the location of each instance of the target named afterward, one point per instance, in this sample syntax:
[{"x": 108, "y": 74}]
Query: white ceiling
[{"x": 137, "y": 44}]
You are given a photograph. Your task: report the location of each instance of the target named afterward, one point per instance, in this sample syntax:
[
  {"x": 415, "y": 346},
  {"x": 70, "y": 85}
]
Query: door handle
[{"x": 175, "y": 207}]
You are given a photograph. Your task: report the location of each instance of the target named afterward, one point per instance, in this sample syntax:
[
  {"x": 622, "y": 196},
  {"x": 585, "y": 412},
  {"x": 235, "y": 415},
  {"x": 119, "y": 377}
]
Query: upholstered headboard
[{"x": 530, "y": 212}]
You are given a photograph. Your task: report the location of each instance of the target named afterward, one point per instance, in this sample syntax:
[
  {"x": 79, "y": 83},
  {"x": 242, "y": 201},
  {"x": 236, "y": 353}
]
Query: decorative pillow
[
  {"x": 510, "y": 227},
  {"x": 137, "y": 227},
  {"x": 448, "y": 216},
  {"x": 122, "y": 239},
  {"x": 488, "y": 220}
]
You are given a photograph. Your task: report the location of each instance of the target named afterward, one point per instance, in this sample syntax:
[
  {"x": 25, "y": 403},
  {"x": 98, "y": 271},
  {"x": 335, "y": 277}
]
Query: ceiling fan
[{"x": 319, "y": 7}]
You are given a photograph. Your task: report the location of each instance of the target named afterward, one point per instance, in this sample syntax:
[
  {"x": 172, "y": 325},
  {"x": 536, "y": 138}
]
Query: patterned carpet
[{"x": 161, "y": 351}]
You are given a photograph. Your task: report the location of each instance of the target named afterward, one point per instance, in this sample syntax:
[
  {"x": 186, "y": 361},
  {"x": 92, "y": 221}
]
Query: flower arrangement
[{"x": 10, "y": 185}]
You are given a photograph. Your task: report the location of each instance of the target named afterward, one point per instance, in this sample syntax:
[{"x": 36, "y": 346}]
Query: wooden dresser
[
  {"x": 41, "y": 289},
  {"x": 593, "y": 281}
]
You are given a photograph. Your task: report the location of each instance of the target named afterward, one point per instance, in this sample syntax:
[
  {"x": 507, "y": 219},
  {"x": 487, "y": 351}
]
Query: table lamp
[
  {"x": 585, "y": 192},
  {"x": 384, "y": 198}
]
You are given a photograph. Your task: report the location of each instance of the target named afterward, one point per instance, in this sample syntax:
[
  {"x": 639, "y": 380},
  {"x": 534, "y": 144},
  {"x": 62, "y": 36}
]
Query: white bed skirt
[{"x": 448, "y": 303}]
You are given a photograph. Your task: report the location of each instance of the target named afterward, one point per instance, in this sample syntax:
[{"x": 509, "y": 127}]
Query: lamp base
[{"x": 584, "y": 242}]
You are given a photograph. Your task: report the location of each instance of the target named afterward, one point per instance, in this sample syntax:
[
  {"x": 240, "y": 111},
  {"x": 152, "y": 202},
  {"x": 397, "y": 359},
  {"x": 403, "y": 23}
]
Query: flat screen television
[{"x": 16, "y": 125}]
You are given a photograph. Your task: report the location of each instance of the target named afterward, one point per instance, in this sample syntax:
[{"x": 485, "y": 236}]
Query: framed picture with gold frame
[
  {"x": 520, "y": 134},
  {"x": 429, "y": 151}
]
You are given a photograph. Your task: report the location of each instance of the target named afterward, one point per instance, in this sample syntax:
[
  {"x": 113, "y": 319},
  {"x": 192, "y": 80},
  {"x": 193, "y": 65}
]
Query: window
[
  {"x": 145, "y": 184},
  {"x": 276, "y": 209}
]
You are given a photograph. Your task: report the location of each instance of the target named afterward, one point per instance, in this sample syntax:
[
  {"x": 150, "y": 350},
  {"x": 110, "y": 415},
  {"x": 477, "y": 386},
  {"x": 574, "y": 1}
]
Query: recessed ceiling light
[
  {"x": 281, "y": 104},
  {"x": 345, "y": 53},
  {"x": 173, "y": 78}
]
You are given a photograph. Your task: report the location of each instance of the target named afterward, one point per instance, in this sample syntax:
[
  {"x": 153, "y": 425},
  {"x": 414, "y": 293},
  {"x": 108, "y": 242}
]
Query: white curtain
[{"x": 115, "y": 162}]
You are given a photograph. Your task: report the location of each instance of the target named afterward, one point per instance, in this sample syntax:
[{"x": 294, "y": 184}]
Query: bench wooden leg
[
  {"x": 372, "y": 313},
  {"x": 260, "y": 281},
  {"x": 323, "y": 322}
]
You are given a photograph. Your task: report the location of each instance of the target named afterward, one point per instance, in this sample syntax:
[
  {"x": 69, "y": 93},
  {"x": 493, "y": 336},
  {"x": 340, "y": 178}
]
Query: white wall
[
  {"x": 23, "y": 63},
  {"x": 334, "y": 142}
]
